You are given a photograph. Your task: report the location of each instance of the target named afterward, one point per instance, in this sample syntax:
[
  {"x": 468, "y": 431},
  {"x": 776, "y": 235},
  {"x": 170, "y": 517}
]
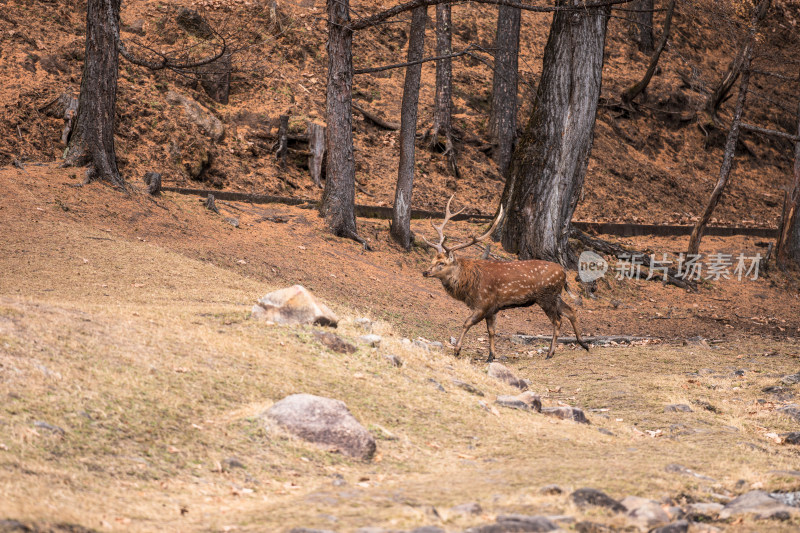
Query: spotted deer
[{"x": 488, "y": 287}]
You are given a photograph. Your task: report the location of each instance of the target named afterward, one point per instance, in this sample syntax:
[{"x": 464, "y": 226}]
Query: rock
[
  {"x": 364, "y": 322},
  {"x": 586, "y": 496},
  {"x": 230, "y": 463},
  {"x": 526, "y": 401},
  {"x": 605, "y": 431},
  {"x": 308, "y": 530},
  {"x": 471, "y": 508},
  {"x": 322, "y": 421},
  {"x": 215, "y": 78},
  {"x": 153, "y": 182},
  {"x": 758, "y": 503},
  {"x": 566, "y": 413},
  {"x": 334, "y": 342},
  {"x": 791, "y": 437},
  {"x": 136, "y": 27},
  {"x": 393, "y": 359},
  {"x": 428, "y": 529},
  {"x": 371, "y": 339},
  {"x": 791, "y": 379},
  {"x": 536, "y": 523},
  {"x": 198, "y": 114},
  {"x": 681, "y": 526},
  {"x": 592, "y": 527},
  {"x": 700, "y": 512},
  {"x": 472, "y": 389},
  {"x": 502, "y": 373},
  {"x": 680, "y": 469},
  {"x": 792, "y": 411},
  {"x": 294, "y": 305},
  {"x": 781, "y": 393},
  {"x": 193, "y": 23},
  {"x": 699, "y": 527},
  {"x": 787, "y": 498},
  {"x": 437, "y": 385},
  {"x": 551, "y": 490},
  {"x": 678, "y": 408},
  {"x": 49, "y": 427},
  {"x": 232, "y": 221},
  {"x": 644, "y": 512}
]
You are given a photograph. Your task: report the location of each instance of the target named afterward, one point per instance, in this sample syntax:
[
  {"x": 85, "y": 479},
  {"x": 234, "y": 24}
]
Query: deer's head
[{"x": 444, "y": 263}]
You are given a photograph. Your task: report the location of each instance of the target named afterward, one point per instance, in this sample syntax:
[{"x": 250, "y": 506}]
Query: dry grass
[{"x": 147, "y": 360}]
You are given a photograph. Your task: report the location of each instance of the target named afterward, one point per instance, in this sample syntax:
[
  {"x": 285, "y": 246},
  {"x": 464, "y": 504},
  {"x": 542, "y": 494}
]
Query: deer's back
[{"x": 518, "y": 283}]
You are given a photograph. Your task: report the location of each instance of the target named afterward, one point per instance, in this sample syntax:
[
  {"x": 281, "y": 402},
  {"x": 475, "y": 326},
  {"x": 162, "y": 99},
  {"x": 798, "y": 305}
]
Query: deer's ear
[{"x": 450, "y": 257}]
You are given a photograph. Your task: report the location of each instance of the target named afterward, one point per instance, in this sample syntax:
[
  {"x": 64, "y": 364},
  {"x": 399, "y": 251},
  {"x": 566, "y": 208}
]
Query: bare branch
[
  {"x": 767, "y": 131},
  {"x": 423, "y": 60}
]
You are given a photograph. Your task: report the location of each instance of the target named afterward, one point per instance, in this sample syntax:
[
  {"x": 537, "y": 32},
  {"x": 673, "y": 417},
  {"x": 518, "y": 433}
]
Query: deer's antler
[
  {"x": 474, "y": 240},
  {"x": 440, "y": 228}
]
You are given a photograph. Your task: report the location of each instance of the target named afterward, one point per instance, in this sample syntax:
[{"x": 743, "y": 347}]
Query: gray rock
[
  {"x": 137, "y": 27},
  {"x": 787, "y": 498},
  {"x": 322, "y": 421},
  {"x": 758, "y": 503},
  {"x": 393, "y": 359},
  {"x": 586, "y": 497},
  {"x": 232, "y": 221},
  {"x": 526, "y": 401},
  {"x": 680, "y": 469},
  {"x": 193, "y": 23},
  {"x": 153, "y": 182},
  {"x": 198, "y": 114},
  {"x": 605, "y": 431},
  {"x": 49, "y": 427},
  {"x": 364, "y": 322},
  {"x": 678, "y": 408},
  {"x": 437, "y": 385},
  {"x": 710, "y": 510},
  {"x": 644, "y": 512},
  {"x": 566, "y": 413},
  {"x": 791, "y": 379},
  {"x": 338, "y": 480},
  {"x": 334, "y": 342},
  {"x": 681, "y": 526},
  {"x": 502, "y": 373},
  {"x": 371, "y": 339},
  {"x": 792, "y": 411},
  {"x": 309, "y": 530},
  {"x": 472, "y": 389},
  {"x": 551, "y": 490},
  {"x": 593, "y": 527},
  {"x": 471, "y": 508},
  {"x": 229, "y": 463},
  {"x": 791, "y": 437},
  {"x": 294, "y": 305},
  {"x": 536, "y": 523},
  {"x": 428, "y": 529}
]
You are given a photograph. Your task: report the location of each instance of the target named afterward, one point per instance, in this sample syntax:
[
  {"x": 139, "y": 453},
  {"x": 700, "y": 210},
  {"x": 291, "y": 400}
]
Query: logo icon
[{"x": 591, "y": 266}]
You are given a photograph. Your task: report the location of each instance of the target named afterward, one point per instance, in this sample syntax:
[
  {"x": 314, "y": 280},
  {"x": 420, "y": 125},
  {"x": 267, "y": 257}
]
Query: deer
[{"x": 489, "y": 286}]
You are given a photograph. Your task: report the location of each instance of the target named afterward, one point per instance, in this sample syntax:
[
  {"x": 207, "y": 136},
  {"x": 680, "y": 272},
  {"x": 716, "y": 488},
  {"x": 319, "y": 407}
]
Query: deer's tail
[{"x": 575, "y": 298}]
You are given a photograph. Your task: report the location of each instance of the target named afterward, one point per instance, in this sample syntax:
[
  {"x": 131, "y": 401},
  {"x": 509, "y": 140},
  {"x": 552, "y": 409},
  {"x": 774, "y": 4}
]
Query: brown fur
[{"x": 488, "y": 287}]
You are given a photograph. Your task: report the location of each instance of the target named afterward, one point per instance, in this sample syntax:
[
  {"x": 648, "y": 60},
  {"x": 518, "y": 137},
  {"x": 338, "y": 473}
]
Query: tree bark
[
  {"x": 91, "y": 141},
  {"x": 727, "y": 159},
  {"x": 643, "y": 25},
  {"x": 503, "y": 118},
  {"x": 316, "y": 149},
  {"x": 789, "y": 236},
  {"x": 443, "y": 102},
  {"x": 549, "y": 165},
  {"x": 719, "y": 95},
  {"x": 339, "y": 196},
  {"x": 401, "y": 212},
  {"x": 639, "y": 87}
]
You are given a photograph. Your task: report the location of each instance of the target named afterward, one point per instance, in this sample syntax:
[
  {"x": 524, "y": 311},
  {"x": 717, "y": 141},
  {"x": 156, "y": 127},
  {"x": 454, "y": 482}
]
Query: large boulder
[
  {"x": 323, "y": 421},
  {"x": 758, "y": 503},
  {"x": 294, "y": 305},
  {"x": 198, "y": 114}
]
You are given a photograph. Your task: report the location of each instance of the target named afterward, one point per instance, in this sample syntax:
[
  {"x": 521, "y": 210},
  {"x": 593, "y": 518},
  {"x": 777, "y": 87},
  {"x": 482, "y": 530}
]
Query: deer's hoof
[{"x": 490, "y": 358}]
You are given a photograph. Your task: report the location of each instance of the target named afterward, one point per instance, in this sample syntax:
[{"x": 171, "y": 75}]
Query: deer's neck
[{"x": 463, "y": 281}]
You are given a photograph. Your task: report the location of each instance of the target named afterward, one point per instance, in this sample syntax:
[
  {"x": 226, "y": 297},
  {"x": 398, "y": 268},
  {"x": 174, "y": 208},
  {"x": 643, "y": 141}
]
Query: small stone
[
  {"x": 566, "y": 413},
  {"x": 322, "y": 421},
  {"x": 471, "y": 508},
  {"x": 472, "y": 389},
  {"x": 518, "y": 522},
  {"x": 338, "y": 480},
  {"x": 198, "y": 114},
  {"x": 502, "y": 373},
  {"x": 791, "y": 379},
  {"x": 334, "y": 342},
  {"x": 587, "y": 496},
  {"x": 593, "y": 527},
  {"x": 680, "y": 469},
  {"x": 645, "y": 512},
  {"x": 428, "y": 529},
  {"x": 230, "y": 463},
  {"x": 308, "y": 530},
  {"x": 699, "y": 511},
  {"x": 437, "y": 385},
  {"x": 232, "y": 221},
  {"x": 393, "y": 359},
  {"x": 364, "y": 323},
  {"x": 605, "y": 431},
  {"x": 294, "y": 305},
  {"x": 678, "y": 408},
  {"x": 758, "y": 503},
  {"x": 526, "y": 401},
  {"x": 153, "y": 182},
  {"x": 551, "y": 490},
  {"x": 371, "y": 339},
  {"x": 681, "y": 526},
  {"x": 49, "y": 427}
]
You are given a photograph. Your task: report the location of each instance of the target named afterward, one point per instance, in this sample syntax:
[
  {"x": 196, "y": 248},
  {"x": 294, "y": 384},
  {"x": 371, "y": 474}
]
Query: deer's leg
[
  {"x": 473, "y": 319},
  {"x": 569, "y": 312},
  {"x": 551, "y": 309},
  {"x": 490, "y": 326}
]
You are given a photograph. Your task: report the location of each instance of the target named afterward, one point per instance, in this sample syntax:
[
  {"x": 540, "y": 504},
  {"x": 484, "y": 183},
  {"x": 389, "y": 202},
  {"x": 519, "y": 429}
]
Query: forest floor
[{"x": 130, "y": 375}]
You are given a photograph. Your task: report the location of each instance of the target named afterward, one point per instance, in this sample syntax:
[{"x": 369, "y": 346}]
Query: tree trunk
[
  {"x": 401, "y": 212},
  {"x": 546, "y": 177},
  {"x": 789, "y": 236},
  {"x": 339, "y": 196},
  {"x": 316, "y": 149},
  {"x": 719, "y": 95},
  {"x": 91, "y": 141},
  {"x": 643, "y": 25},
  {"x": 639, "y": 87},
  {"x": 727, "y": 159},
  {"x": 503, "y": 118},
  {"x": 443, "y": 102}
]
